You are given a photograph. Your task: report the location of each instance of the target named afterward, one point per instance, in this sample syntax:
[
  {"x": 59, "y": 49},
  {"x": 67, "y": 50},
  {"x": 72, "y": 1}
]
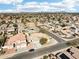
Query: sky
[{"x": 39, "y": 5}]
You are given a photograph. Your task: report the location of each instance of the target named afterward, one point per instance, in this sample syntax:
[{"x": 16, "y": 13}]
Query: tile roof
[{"x": 16, "y": 38}]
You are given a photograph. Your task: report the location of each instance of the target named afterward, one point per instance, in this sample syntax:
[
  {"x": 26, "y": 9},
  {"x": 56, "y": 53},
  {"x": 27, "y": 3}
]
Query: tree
[
  {"x": 45, "y": 57},
  {"x": 15, "y": 25},
  {"x": 3, "y": 22},
  {"x": 2, "y": 40},
  {"x": 16, "y": 28},
  {"x": 43, "y": 41},
  {"x": 63, "y": 25}
]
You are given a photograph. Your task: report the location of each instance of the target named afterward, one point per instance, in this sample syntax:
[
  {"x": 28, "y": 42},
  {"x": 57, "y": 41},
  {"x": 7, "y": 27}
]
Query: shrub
[
  {"x": 43, "y": 41},
  {"x": 45, "y": 57}
]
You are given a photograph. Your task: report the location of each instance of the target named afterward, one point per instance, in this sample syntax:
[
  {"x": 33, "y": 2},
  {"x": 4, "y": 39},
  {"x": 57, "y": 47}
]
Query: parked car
[
  {"x": 31, "y": 50},
  {"x": 77, "y": 47}
]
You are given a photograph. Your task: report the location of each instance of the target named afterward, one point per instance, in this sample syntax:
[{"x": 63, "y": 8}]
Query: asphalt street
[{"x": 39, "y": 52}]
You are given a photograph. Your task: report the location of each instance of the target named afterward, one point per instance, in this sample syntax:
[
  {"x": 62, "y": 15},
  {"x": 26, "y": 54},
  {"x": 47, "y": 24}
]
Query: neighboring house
[
  {"x": 3, "y": 27},
  {"x": 70, "y": 53},
  {"x": 74, "y": 52},
  {"x": 10, "y": 30},
  {"x": 20, "y": 27},
  {"x": 64, "y": 55}
]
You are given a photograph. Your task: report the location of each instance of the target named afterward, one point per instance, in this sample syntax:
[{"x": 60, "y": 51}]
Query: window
[{"x": 14, "y": 45}]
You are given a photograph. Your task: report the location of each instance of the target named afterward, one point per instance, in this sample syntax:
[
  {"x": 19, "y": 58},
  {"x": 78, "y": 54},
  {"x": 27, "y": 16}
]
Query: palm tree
[{"x": 26, "y": 39}]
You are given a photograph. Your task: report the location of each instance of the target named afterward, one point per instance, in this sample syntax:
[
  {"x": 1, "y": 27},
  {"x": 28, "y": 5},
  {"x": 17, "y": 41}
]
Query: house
[
  {"x": 15, "y": 42},
  {"x": 20, "y": 27},
  {"x": 64, "y": 55},
  {"x": 10, "y": 30},
  {"x": 70, "y": 53},
  {"x": 74, "y": 52}
]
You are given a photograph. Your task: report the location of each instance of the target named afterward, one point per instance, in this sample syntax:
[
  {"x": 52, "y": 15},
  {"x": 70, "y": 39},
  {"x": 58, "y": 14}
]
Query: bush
[
  {"x": 45, "y": 57},
  {"x": 43, "y": 41},
  {"x": 15, "y": 25},
  {"x": 2, "y": 40}
]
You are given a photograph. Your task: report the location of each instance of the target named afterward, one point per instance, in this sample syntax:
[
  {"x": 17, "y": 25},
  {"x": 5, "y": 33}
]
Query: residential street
[{"x": 39, "y": 52}]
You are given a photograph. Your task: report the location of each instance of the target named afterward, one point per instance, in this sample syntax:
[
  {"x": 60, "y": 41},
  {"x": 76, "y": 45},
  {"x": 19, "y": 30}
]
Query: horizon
[{"x": 36, "y": 12}]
